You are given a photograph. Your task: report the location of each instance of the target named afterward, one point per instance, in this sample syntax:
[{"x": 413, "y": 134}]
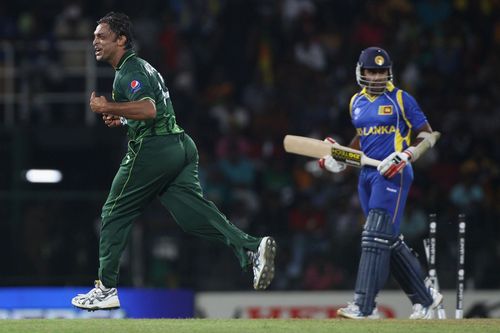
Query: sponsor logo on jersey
[
  {"x": 135, "y": 86},
  {"x": 385, "y": 110},
  {"x": 376, "y": 130}
]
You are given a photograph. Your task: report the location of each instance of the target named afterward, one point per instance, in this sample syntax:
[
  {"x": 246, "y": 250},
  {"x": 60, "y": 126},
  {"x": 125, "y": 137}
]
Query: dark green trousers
[{"x": 165, "y": 167}]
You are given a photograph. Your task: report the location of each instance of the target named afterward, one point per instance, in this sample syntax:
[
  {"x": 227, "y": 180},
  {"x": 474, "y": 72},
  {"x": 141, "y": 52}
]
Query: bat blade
[
  {"x": 304, "y": 146},
  {"x": 314, "y": 148}
]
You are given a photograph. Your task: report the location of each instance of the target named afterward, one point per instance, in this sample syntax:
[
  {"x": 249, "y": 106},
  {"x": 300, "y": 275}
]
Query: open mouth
[{"x": 98, "y": 51}]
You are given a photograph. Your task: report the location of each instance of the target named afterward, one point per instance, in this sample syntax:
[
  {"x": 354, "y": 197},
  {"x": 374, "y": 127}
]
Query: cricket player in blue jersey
[
  {"x": 389, "y": 124},
  {"x": 161, "y": 162}
]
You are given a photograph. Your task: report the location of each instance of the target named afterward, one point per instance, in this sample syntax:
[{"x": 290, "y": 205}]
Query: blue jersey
[{"x": 384, "y": 122}]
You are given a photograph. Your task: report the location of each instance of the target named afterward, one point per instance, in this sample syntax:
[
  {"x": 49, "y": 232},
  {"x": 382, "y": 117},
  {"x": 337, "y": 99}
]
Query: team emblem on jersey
[
  {"x": 385, "y": 110},
  {"x": 379, "y": 60},
  {"x": 356, "y": 113},
  {"x": 134, "y": 86}
]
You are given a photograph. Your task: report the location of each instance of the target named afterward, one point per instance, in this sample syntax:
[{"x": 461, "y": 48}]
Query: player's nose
[{"x": 379, "y": 76}]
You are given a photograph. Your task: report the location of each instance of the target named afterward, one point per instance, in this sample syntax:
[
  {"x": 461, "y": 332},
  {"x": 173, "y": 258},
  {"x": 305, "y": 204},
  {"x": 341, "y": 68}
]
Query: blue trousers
[{"x": 377, "y": 192}]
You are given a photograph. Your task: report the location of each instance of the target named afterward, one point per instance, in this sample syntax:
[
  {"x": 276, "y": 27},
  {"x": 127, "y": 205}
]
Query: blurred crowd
[{"x": 242, "y": 74}]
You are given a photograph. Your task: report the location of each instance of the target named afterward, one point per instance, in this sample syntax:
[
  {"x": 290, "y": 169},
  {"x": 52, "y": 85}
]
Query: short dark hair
[{"x": 121, "y": 25}]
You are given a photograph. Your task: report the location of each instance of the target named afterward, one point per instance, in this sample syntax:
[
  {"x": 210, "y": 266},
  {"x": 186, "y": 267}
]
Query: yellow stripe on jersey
[
  {"x": 368, "y": 96},
  {"x": 399, "y": 141},
  {"x": 350, "y": 103},
  {"x": 399, "y": 138},
  {"x": 399, "y": 97},
  {"x": 389, "y": 86}
]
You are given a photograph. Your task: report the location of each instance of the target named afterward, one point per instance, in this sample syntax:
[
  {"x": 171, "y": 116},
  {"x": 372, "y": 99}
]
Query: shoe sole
[
  {"x": 96, "y": 308},
  {"x": 113, "y": 305},
  {"x": 267, "y": 274},
  {"x": 341, "y": 314},
  {"x": 434, "y": 306}
]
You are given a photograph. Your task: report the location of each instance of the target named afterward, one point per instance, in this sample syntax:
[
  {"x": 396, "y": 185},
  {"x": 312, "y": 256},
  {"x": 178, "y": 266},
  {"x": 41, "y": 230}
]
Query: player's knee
[
  {"x": 400, "y": 250},
  {"x": 379, "y": 226},
  {"x": 400, "y": 245}
]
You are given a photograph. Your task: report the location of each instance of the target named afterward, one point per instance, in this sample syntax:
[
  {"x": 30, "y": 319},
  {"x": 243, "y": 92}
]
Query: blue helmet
[{"x": 373, "y": 58}]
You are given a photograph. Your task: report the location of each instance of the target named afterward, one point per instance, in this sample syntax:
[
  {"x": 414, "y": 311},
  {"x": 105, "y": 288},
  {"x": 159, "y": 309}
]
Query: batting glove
[
  {"x": 329, "y": 163},
  {"x": 394, "y": 163}
]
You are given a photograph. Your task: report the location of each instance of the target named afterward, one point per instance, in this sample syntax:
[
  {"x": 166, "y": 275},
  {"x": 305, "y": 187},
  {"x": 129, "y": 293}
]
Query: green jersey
[{"x": 136, "y": 80}]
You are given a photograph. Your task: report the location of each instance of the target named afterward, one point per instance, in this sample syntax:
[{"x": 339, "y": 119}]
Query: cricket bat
[{"x": 315, "y": 148}]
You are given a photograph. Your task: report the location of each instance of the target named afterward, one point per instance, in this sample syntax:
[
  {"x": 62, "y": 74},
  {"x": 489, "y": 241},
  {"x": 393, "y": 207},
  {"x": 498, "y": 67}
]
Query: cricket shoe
[
  {"x": 263, "y": 263},
  {"x": 421, "y": 312},
  {"x": 99, "y": 298},
  {"x": 351, "y": 311}
]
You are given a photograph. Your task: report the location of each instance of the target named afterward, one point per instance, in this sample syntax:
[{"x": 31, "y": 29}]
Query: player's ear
[{"x": 122, "y": 40}]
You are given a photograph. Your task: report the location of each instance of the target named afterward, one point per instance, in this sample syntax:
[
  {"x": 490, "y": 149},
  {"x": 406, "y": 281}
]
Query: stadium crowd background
[{"x": 242, "y": 74}]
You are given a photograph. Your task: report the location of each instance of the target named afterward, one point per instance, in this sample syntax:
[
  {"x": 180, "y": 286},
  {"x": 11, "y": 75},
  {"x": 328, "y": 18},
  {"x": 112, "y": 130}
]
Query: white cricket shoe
[
  {"x": 351, "y": 311},
  {"x": 99, "y": 298},
  {"x": 421, "y": 312},
  {"x": 263, "y": 263}
]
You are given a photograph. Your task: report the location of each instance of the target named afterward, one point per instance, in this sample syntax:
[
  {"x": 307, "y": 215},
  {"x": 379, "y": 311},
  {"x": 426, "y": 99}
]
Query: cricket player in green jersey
[{"x": 161, "y": 162}]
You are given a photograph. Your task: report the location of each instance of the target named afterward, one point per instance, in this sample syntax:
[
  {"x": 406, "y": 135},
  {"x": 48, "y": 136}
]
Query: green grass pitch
[{"x": 247, "y": 325}]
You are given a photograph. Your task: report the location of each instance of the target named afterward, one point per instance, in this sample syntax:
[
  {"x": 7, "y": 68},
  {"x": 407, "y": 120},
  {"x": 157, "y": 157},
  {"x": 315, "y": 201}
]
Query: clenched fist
[
  {"x": 98, "y": 104},
  {"x": 111, "y": 120}
]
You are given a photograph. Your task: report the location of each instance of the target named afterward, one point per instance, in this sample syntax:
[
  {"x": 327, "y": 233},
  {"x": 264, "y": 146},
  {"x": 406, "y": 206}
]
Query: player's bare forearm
[
  {"x": 136, "y": 110},
  {"x": 418, "y": 136},
  {"x": 395, "y": 162}
]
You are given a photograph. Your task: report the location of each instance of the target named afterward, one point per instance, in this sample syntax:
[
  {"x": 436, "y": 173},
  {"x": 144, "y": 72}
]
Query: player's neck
[{"x": 115, "y": 60}]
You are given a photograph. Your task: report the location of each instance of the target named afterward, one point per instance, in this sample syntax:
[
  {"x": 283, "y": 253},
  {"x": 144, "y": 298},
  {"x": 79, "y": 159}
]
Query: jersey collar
[
  {"x": 390, "y": 87},
  {"x": 127, "y": 55}
]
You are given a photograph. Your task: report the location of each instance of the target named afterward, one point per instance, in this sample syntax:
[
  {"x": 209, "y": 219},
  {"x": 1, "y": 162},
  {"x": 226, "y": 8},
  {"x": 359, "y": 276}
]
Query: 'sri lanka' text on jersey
[
  {"x": 136, "y": 80},
  {"x": 384, "y": 122}
]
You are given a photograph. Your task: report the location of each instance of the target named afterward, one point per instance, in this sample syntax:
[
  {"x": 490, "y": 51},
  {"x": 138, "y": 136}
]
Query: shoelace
[
  {"x": 254, "y": 258},
  {"x": 93, "y": 293},
  {"x": 352, "y": 306},
  {"x": 90, "y": 293}
]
